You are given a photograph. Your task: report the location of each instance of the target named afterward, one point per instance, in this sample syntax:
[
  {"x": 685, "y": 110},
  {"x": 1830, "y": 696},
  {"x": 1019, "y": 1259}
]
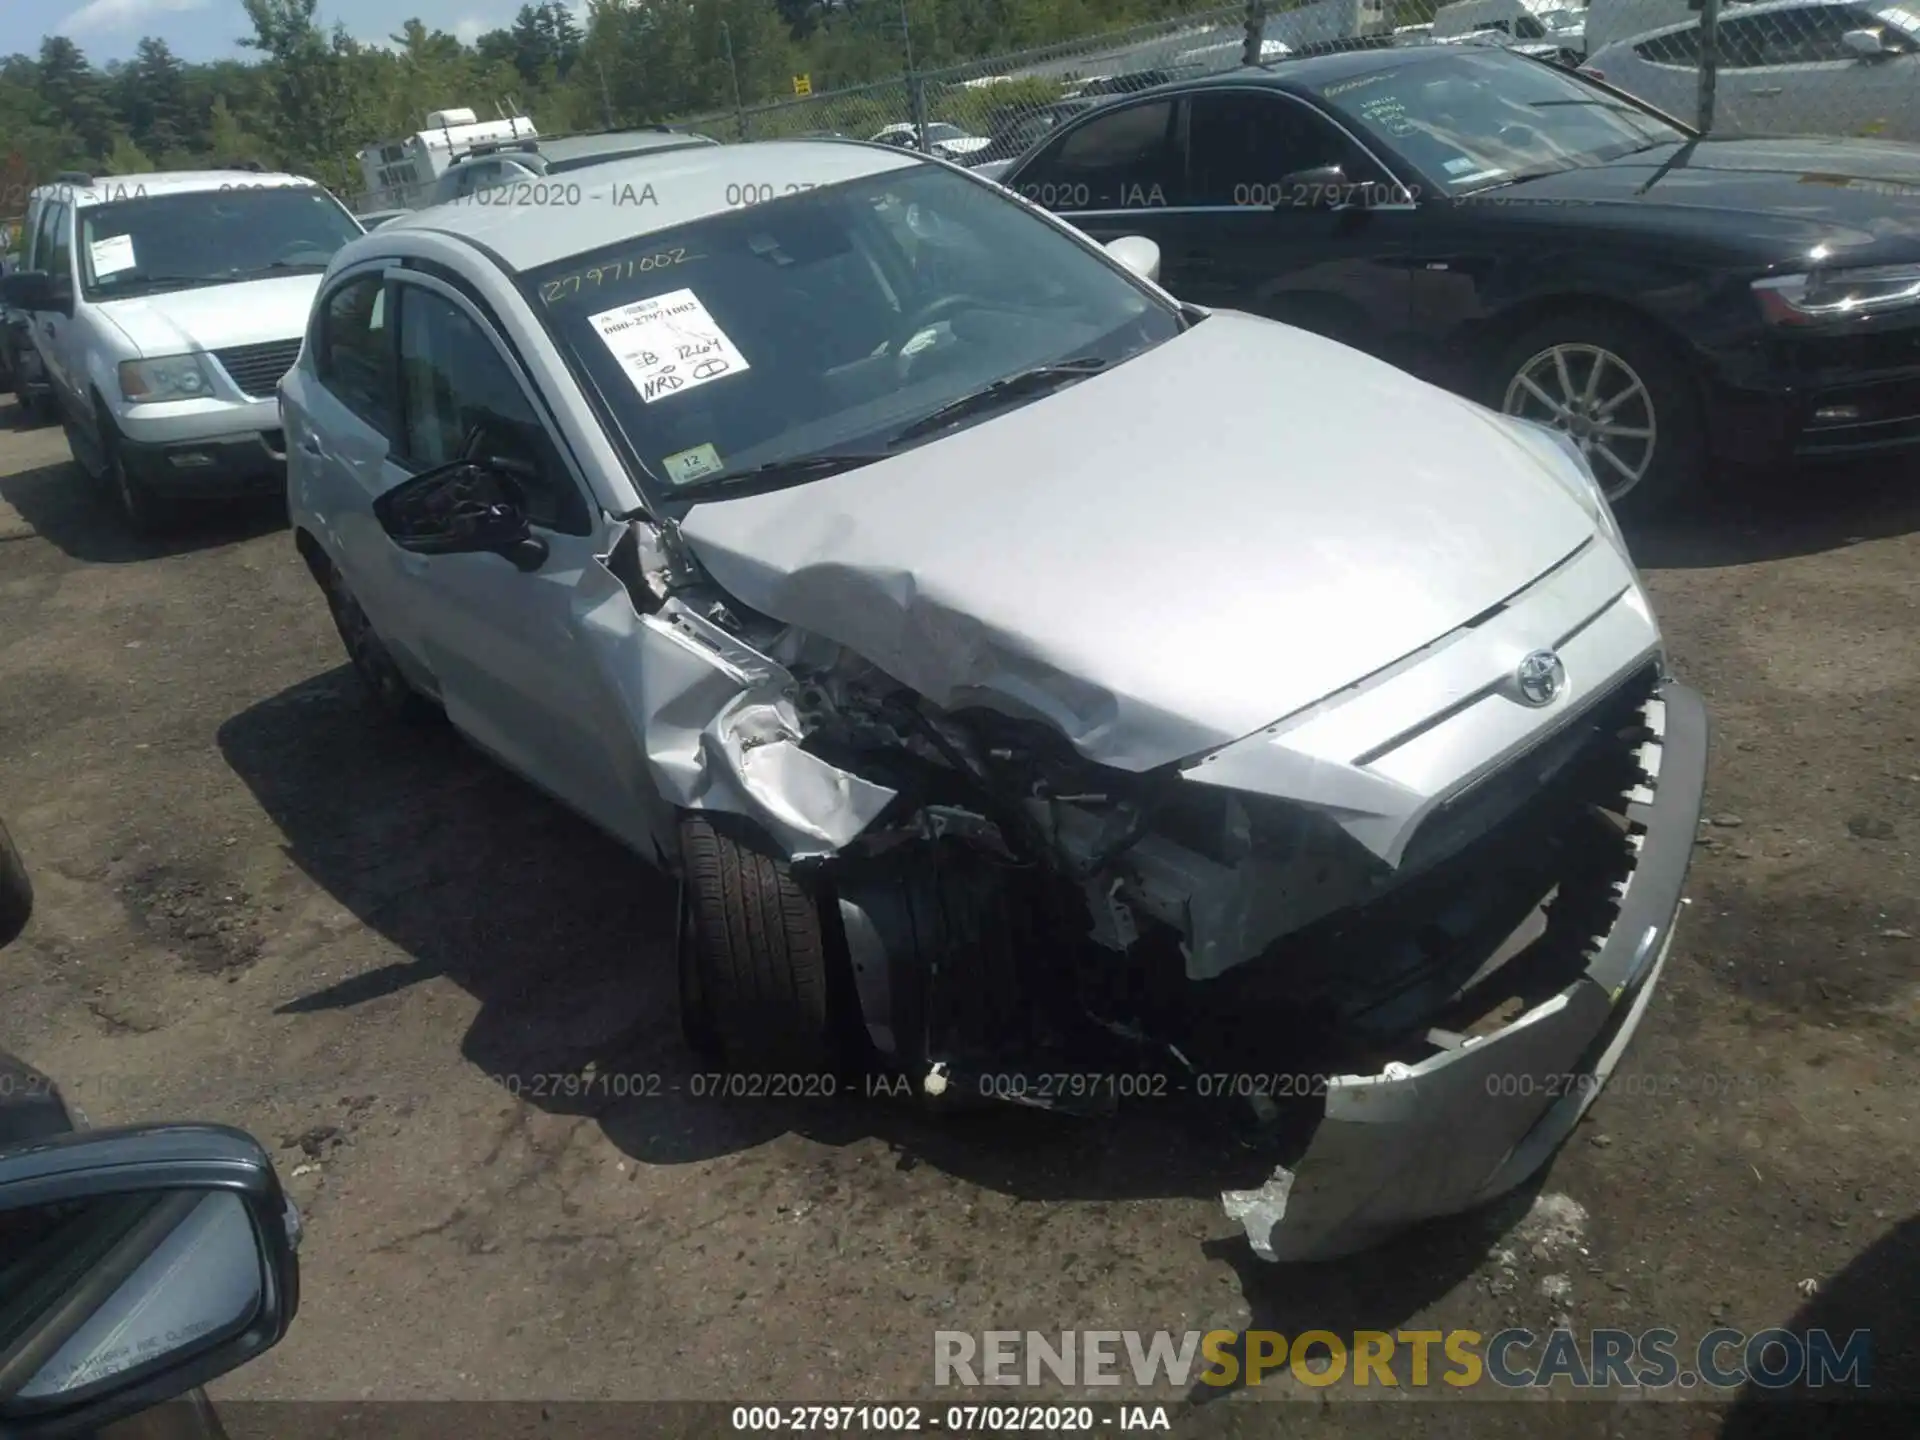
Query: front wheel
[
  {"x": 144, "y": 512},
  {"x": 758, "y": 955},
  {"x": 1616, "y": 387}
]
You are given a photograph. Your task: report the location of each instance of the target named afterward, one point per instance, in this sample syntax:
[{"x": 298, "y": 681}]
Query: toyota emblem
[{"x": 1541, "y": 677}]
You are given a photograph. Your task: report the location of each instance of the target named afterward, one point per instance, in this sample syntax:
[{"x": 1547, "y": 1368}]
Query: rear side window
[
  {"x": 1680, "y": 48},
  {"x": 354, "y": 351},
  {"x": 1106, "y": 164}
]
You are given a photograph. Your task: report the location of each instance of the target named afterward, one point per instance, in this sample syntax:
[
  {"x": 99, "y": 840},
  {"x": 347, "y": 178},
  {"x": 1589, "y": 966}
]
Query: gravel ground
[{"x": 260, "y": 905}]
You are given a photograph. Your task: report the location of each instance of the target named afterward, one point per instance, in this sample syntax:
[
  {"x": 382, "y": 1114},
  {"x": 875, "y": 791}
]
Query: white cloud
[
  {"x": 469, "y": 30},
  {"x": 109, "y": 15}
]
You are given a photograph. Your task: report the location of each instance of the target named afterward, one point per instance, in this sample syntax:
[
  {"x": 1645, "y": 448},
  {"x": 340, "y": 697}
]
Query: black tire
[
  {"x": 16, "y": 890},
  {"x": 1674, "y": 474},
  {"x": 141, "y": 510},
  {"x": 380, "y": 676},
  {"x": 759, "y": 955}
]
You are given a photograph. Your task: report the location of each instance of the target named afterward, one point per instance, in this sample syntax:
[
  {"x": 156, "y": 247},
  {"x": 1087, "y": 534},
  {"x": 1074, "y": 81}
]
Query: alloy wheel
[{"x": 1597, "y": 399}]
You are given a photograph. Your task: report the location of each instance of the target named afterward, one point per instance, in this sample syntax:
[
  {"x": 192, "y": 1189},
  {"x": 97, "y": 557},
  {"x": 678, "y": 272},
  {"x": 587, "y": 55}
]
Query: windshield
[
  {"x": 941, "y": 131},
  {"x": 208, "y": 237},
  {"x": 830, "y": 320},
  {"x": 1475, "y": 119}
]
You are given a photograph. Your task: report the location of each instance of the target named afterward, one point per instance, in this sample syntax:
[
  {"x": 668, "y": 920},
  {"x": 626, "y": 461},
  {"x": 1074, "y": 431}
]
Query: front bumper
[
  {"x": 1466, "y": 1125},
  {"x": 226, "y": 467},
  {"x": 1818, "y": 396}
]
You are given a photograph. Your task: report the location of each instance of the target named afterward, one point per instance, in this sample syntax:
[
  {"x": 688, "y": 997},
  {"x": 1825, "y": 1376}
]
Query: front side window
[
  {"x": 1475, "y": 119},
  {"x": 352, "y": 348},
  {"x": 40, "y": 255},
  {"x": 831, "y": 320},
  {"x": 208, "y": 237},
  {"x": 56, "y": 256},
  {"x": 460, "y": 399},
  {"x": 1101, "y": 163},
  {"x": 1241, "y": 146}
]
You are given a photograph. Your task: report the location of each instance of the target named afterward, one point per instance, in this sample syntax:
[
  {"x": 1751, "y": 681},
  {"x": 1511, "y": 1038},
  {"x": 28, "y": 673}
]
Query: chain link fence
[
  {"x": 1000, "y": 104},
  {"x": 1774, "y": 68},
  {"x": 1765, "y": 68}
]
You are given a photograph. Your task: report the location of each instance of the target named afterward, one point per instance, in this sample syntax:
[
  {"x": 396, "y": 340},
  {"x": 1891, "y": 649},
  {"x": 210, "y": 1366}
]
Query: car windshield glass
[
  {"x": 945, "y": 132},
  {"x": 830, "y": 320},
  {"x": 1476, "y": 119},
  {"x": 208, "y": 237}
]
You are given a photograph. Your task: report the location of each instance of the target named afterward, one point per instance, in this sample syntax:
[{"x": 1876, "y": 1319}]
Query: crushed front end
[{"x": 1446, "y": 890}]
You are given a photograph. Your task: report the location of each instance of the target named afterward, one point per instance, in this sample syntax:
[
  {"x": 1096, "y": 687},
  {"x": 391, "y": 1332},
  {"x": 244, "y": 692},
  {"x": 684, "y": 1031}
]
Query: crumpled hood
[
  {"x": 1168, "y": 556},
  {"x": 215, "y": 317}
]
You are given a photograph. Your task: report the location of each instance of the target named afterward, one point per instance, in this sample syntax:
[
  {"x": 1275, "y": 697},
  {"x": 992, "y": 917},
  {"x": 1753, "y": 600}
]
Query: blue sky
[{"x": 206, "y": 29}]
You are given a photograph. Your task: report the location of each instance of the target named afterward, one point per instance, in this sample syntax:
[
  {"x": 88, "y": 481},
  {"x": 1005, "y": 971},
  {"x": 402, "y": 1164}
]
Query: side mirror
[
  {"x": 136, "y": 1265},
  {"x": 1320, "y": 187},
  {"x": 36, "y": 290},
  {"x": 1138, "y": 254},
  {"x": 470, "y": 507},
  {"x": 1866, "y": 44},
  {"x": 16, "y": 891}
]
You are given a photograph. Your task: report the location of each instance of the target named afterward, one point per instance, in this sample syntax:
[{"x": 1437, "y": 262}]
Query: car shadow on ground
[
  {"x": 69, "y": 511},
  {"x": 1783, "y": 513},
  {"x": 1877, "y": 1293},
  {"x": 567, "y": 942}
]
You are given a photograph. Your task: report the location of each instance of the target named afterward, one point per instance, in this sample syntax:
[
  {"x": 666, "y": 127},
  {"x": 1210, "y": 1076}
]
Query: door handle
[
  {"x": 311, "y": 444},
  {"x": 1769, "y": 90},
  {"x": 46, "y": 328}
]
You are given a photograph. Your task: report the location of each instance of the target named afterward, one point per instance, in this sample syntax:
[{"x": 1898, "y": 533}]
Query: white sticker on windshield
[
  {"x": 667, "y": 344},
  {"x": 687, "y": 465},
  {"x": 1478, "y": 176},
  {"x": 1460, "y": 163},
  {"x": 112, "y": 255}
]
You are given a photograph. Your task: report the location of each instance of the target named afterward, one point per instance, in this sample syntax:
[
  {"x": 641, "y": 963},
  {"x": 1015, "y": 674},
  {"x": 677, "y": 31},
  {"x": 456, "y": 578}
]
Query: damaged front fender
[
  {"x": 1473, "y": 1121},
  {"x": 716, "y": 723}
]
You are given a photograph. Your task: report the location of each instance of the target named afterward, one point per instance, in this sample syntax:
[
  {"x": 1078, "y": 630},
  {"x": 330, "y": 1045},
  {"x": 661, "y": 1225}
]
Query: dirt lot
[{"x": 260, "y": 905}]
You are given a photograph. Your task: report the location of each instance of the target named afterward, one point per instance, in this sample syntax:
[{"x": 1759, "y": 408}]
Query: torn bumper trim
[{"x": 1459, "y": 1128}]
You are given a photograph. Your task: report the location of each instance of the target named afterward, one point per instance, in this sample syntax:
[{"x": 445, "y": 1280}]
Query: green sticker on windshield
[{"x": 685, "y": 466}]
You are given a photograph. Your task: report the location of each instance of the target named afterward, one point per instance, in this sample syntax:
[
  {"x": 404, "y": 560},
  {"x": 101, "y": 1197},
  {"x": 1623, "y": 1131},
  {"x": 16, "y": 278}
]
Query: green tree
[
  {"x": 126, "y": 158},
  {"x": 72, "y": 92},
  {"x": 153, "y": 99}
]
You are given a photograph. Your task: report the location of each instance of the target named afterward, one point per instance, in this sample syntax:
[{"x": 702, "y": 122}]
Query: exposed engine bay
[{"x": 1013, "y": 914}]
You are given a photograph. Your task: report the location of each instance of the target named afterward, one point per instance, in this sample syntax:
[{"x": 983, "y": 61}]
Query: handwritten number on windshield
[{"x": 553, "y": 291}]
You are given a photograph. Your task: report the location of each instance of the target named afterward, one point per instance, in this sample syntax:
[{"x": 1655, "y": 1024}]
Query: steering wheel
[{"x": 931, "y": 313}]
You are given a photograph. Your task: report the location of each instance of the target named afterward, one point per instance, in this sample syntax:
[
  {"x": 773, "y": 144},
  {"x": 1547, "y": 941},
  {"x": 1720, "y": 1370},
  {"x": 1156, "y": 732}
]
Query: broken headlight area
[{"x": 1015, "y": 909}]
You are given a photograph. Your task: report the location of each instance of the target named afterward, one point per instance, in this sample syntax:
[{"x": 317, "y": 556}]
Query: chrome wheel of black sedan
[{"x": 1677, "y": 303}]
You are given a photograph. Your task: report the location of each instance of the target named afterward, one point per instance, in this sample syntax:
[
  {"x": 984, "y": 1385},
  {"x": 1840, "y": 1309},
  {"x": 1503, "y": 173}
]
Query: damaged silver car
[{"x": 1028, "y": 675}]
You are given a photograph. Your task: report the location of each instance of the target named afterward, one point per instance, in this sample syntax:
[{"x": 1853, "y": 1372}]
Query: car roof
[
  {"x": 641, "y": 194},
  {"x": 105, "y": 189},
  {"x": 1740, "y": 12},
  {"x": 1303, "y": 70},
  {"x": 619, "y": 142}
]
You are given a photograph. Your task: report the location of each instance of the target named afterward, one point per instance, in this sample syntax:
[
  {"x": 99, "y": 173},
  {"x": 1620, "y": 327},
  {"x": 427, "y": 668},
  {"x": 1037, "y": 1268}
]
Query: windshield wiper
[
  {"x": 1021, "y": 382},
  {"x": 278, "y": 265},
  {"x": 800, "y": 467}
]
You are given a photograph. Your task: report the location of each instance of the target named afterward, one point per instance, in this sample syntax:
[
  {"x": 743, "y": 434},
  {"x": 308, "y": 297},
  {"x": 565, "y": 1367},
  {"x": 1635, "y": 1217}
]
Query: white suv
[{"x": 165, "y": 308}]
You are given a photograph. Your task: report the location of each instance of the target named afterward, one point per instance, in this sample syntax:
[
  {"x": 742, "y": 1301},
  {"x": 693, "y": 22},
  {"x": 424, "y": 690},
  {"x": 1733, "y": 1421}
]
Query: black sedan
[{"x": 1537, "y": 240}]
